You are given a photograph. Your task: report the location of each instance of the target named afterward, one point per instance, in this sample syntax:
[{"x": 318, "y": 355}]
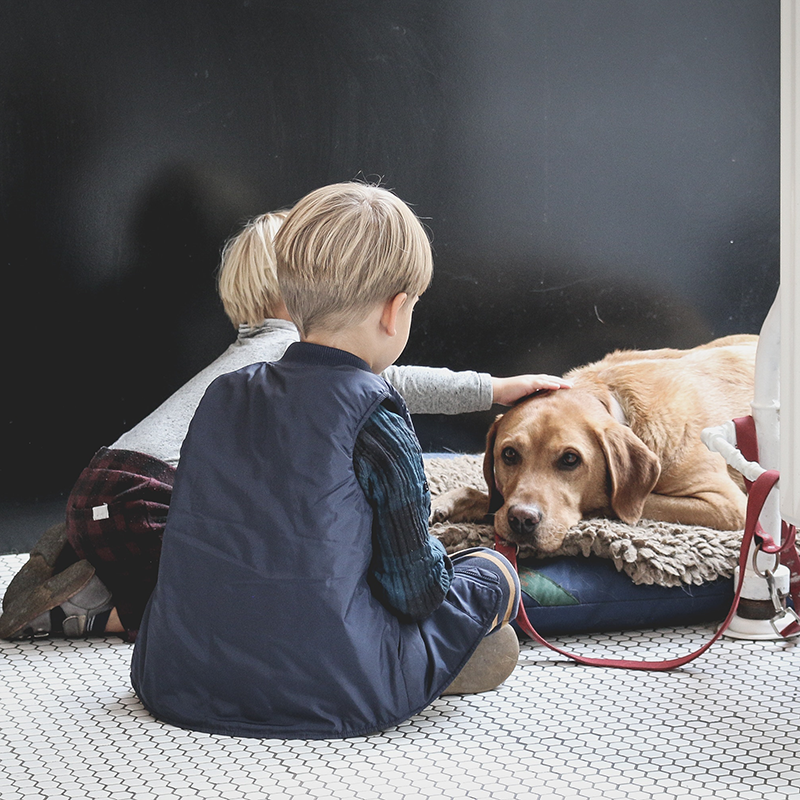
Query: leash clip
[
  {"x": 778, "y": 604},
  {"x": 782, "y": 611},
  {"x": 786, "y": 630}
]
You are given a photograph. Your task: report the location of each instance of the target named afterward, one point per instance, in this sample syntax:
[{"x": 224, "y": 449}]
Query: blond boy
[{"x": 300, "y": 594}]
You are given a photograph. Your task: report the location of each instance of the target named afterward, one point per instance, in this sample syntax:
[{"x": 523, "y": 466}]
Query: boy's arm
[
  {"x": 435, "y": 390},
  {"x": 410, "y": 571}
]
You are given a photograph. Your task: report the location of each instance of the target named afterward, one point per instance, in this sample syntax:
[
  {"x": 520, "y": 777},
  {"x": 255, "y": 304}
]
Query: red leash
[
  {"x": 747, "y": 443},
  {"x": 759, "y": 490}
]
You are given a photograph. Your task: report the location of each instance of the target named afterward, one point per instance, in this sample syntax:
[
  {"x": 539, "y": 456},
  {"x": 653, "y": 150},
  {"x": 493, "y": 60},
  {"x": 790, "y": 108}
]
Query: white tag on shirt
[{"x": 100, "y": 512}]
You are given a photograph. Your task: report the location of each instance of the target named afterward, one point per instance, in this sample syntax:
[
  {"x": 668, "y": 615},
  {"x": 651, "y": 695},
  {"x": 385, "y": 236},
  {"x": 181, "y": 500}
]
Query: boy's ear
[{"x": 390, "y": 311}]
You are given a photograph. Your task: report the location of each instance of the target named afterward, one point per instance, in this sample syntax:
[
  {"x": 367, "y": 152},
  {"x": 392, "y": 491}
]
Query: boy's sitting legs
[{"x": 496, "y": 656}]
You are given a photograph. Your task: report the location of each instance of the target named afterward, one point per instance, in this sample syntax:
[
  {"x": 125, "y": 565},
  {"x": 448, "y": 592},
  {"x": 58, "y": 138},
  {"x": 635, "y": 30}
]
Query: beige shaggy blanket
[{"x": 649, "y": 552}]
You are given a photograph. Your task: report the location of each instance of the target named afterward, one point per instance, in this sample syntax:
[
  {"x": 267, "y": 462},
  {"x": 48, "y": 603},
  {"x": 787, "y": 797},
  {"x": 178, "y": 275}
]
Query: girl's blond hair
[
  {"x": 247, "y": 284},
  {"x": 345, "y": 247}
]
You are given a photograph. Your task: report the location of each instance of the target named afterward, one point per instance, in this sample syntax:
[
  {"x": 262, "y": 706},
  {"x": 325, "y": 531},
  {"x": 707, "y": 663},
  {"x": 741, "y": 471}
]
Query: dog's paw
[{"x": 460, "y": 505}]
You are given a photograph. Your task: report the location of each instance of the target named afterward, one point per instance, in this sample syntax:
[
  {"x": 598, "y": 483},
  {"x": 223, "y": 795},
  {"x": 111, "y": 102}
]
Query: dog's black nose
[{"x": 523, "y": 519}]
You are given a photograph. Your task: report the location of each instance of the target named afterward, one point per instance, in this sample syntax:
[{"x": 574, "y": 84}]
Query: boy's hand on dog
[{"x": 506, "y": 391}]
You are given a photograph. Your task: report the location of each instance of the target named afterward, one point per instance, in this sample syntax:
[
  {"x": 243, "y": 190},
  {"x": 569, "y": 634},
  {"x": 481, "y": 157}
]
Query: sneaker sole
[{"x": 492, "y": 662}]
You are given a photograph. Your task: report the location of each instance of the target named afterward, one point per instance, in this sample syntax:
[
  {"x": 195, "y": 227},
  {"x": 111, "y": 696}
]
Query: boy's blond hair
[
  {"x": 247, "y": 284},
  {"x": 346, "y": 247}
]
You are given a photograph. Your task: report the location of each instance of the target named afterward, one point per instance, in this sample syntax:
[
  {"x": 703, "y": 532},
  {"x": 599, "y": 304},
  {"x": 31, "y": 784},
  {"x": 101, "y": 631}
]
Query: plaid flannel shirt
[{"x": 410, "y": 571}]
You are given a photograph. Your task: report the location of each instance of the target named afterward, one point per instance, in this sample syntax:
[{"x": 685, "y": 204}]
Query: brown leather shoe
[
  {"x": 45, "y": 559},
  {"x": 26, "y": 606}
]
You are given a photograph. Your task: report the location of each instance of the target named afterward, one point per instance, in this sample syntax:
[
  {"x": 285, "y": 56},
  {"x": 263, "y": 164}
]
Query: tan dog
[{"x": 624, "y": 442}]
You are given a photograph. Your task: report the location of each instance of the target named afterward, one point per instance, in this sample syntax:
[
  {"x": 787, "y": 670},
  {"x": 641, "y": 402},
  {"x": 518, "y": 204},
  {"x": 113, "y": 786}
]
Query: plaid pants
[{"x": 115, "y": 520}]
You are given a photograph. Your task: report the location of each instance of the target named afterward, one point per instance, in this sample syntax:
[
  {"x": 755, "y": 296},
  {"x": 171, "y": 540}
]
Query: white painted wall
[{"x": 790, "y": 252}]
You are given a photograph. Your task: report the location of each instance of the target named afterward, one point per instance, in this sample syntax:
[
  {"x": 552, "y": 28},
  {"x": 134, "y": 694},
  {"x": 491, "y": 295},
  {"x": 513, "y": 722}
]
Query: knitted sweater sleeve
[
  {"x": 436, "y": 390},
  {"x": 410, "y": 571}
]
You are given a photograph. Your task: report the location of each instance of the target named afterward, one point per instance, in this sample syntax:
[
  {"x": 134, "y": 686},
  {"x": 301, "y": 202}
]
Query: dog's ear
[
  {"x": 495, "y": 498},
  {"x": 633, "y": 470}
]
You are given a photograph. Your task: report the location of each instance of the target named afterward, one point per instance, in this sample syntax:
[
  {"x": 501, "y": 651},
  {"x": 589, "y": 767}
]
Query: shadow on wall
[{"x": 174, "y": 320}]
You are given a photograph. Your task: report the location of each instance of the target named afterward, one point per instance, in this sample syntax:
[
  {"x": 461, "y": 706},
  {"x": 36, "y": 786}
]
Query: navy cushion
[{"x": 571, "y": 594}]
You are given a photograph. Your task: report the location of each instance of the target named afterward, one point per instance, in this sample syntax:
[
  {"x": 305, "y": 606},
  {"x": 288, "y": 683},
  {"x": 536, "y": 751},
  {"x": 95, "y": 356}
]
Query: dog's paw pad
[{"x": 440, "y": 515}]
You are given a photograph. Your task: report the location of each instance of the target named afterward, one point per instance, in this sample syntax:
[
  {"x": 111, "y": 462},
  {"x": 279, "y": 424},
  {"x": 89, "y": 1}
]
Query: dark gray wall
[{"x": 595, "y": 174}]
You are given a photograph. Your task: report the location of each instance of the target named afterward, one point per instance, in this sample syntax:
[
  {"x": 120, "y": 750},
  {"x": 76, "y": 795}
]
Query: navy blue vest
[{"x": 262, "y": 622}]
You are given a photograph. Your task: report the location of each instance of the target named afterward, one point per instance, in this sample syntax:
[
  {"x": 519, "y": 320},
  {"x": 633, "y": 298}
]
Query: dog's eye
[
  {"x": 509, "y": 455},
  {"x": 569, "y": 460}
]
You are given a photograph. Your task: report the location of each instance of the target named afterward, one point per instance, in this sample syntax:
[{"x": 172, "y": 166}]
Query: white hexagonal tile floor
[{"x": 725, "y": 726}]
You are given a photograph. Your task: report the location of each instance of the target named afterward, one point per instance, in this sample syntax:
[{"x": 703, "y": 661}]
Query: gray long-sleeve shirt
[{"x": 426, "y": 390}]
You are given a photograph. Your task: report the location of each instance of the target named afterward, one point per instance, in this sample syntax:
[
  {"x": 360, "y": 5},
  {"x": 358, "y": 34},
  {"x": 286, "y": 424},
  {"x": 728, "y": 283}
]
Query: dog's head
[{"x": 560, "y": 457}]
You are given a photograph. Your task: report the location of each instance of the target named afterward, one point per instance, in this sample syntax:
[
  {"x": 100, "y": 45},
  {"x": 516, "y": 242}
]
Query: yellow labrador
[{"x": 624, "y": 442}]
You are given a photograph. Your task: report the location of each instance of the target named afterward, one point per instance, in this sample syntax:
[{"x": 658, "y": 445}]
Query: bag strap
[{"x": 760, "y": 488}]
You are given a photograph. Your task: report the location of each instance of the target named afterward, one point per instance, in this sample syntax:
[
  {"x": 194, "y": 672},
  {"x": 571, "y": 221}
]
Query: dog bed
[{"x": 607, "y": 575}]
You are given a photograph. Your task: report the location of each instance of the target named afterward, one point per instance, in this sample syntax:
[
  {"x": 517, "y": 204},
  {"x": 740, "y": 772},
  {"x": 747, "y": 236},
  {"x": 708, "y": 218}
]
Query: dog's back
[{"x": 685, "y": 390}]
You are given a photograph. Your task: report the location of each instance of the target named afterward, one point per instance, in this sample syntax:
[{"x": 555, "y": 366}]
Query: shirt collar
[
  {"x": 267, "y": 326},
  {"x": 321, "y": 355}
]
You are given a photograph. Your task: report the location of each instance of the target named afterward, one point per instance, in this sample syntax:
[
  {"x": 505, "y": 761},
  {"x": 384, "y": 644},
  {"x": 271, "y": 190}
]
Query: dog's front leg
[{"x": 464, "y": 504}]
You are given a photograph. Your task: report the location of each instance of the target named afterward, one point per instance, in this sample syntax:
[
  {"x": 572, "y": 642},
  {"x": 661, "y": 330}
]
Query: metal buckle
[
  {"x": 777, "y": 556},
  {"x": 31, "y": 635}
]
